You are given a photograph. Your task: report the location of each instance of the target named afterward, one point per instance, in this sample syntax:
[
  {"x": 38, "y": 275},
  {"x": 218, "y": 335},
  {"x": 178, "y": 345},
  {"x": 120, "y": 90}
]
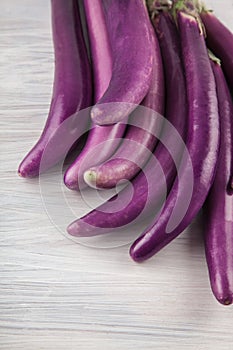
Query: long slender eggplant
[
  {"x": 219, "y": 205},
  {"x": 140, "y": 139},
  {"x": 176, "y": 109},
  {"x": 220, "y": 41},
  {"x": 109, "y": 136},
  {"x": 72, "y": 88},
  {"x": 202, "y": 144},
  {"x": 130, "y": 37}
]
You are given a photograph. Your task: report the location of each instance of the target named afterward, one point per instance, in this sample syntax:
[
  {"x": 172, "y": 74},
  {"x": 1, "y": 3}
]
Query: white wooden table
[{"x": 55, "y": 294}]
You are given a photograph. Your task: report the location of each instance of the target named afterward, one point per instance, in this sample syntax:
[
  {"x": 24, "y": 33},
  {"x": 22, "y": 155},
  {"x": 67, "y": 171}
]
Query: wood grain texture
[{"x": 55, "y": 294}]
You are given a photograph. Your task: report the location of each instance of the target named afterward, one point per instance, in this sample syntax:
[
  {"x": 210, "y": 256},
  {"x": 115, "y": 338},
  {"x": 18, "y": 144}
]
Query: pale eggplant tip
[
  {"x": 72, "y": 229},
  {"x": 90, "y": 177}
]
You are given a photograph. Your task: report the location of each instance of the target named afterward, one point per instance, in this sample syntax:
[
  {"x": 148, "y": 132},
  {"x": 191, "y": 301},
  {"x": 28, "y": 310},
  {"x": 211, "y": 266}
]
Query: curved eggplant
[
  {"x": 129, "y": 29},
  {"x": 109, "y": 135},
  {"x": 176, "y": 109},
  {"x": 219, "y": 40},
  {"x": 202, "y": 144},
  {"x": 139, "y": 141},
  {"x": 72, "y": 88},
  {"x": 218, "y": 209}
]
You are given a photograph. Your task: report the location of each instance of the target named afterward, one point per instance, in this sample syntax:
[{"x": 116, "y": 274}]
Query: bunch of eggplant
[{"x": 123, "y": 59}]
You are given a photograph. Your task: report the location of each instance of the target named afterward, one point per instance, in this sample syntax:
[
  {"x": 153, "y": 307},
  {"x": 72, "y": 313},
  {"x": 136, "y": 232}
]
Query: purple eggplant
[
  {"x": 202, "y": 144},
  {"x": 72, "y": 88},
  {"x": 143, "y": 191},
  {"x": 129, "y": 29},
  {"x": 100, "y": 48},
  {"x": 139, "y": 141},
  {"x": 109, "y": 136},
  {"x": 218, "y": 210},
  {"x": 220, "y": 41}
]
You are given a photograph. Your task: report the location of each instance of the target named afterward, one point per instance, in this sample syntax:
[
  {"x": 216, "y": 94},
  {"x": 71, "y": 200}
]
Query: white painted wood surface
[{"x": 55, "y": 294}]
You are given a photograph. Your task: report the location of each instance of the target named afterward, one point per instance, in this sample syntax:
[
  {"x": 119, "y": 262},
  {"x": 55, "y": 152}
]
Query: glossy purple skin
[
  {"x": 101, "y": 57},
  {"x": 129, "y": 25},
  {"x": 72, "y": 87},
  {"x": 202, "y": 143},
  {"x": 101, "y": 54},
  {"x": 218, "y": 214},
  {"x": 176, "y": 109},
  {"x": 220, "y": 41},
  {"x": 133, "y": 153}
]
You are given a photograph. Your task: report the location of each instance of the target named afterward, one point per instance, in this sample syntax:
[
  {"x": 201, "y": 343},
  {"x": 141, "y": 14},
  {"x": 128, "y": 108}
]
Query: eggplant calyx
[{"x": 190, "y": 8}]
